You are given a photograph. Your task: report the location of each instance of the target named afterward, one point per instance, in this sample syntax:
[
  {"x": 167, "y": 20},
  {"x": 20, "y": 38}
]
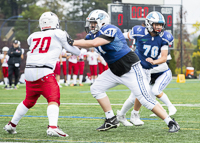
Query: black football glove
[{"x": 70, "y": 41}]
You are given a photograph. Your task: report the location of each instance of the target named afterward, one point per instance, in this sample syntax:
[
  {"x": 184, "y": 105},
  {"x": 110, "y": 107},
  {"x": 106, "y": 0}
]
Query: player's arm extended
[{"x": 99, "y": 41}]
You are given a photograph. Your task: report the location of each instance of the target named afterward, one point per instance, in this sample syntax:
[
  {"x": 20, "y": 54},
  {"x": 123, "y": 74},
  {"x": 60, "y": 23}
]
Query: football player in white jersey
[
  {"x": 4, "y": 59},
  {"x": 124, "y": 68},
  {"x": 81, "y": 64},
  {"x": 73, "y": 65},
  {"x": 92, "y": 58},
  {"x": 45, "y": 47}
]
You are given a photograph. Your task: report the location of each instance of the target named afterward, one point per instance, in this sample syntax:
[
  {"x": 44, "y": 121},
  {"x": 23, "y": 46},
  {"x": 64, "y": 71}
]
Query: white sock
[
  {"x": 167, "y": 120},
  {"x": 68, "y": 79},
  {"x": 165, "y": 100},
  {"x": 53, "y": 113},
  {"x": 19, "y": 113},
  {"x": 137, "y": 112},
  {"x": 126, "y": 107},
  {"x": 6, "y": 80},
  {"x": 80, "y": 79},
  {"x": 93, "y": 80},
  {"x": 74, "y": 79},
  {"x": 109, "y": 114}
]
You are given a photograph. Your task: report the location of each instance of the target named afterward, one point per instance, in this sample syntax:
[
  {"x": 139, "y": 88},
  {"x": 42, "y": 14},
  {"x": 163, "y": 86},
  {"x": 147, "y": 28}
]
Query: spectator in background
[
  {"x": 14, "y": 61},
  {"x": 4, "y": 59},
  {"x": 81, "y": 64}
]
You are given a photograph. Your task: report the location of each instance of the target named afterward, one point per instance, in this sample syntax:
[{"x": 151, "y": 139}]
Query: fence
[{"x": 21, "y": 29}]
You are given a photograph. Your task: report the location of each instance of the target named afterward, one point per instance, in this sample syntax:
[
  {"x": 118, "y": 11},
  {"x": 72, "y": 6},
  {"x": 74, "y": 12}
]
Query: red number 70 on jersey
[{"x": 48, "y": 39}]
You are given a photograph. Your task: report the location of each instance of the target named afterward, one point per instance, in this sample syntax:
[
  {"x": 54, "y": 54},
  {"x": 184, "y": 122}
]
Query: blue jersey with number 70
[
  {"x": 148, "y": 46},
  {"x": 116, "y": 49}
]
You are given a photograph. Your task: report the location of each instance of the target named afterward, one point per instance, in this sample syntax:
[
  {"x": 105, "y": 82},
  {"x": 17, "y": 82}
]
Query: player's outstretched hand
[{"x": 150, "y": 60}]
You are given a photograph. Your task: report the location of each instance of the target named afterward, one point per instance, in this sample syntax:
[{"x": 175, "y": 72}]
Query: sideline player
[
  {"x": 45, "y": 47},
  {"x": 81, "y": 64},
  {"x": 73, "y": 65},
  {"x": 92, "y": 58},
  {"x": 151, "y": 41},
  {"x": 57, "y": 69},
  {"x": 124, "y": 68},
  {"x": 4, "y": 59},
  {"x": 64, "y": 65}
]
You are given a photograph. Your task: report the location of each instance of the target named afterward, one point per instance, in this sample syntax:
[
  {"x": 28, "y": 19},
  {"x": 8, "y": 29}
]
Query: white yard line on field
[{"x": 185, "y": 105}]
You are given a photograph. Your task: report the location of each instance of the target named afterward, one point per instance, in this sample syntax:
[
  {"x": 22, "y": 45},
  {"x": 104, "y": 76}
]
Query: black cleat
[
  {"x": 173, "y": 126},
  {"x": 109, "y": 124}
]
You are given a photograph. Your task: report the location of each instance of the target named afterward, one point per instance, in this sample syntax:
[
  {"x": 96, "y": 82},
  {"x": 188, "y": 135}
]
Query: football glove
[{"x": 69, "y": 39}]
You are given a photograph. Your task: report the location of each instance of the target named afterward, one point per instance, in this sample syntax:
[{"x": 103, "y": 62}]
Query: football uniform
[
  {"x": 45, "y": 48},
  {"x": 124, "y": 67},
  {"x": 81, "y": 62},
  {"x": 4, "y": 65},
  {"x": 73, "y": 65},
  {"x": 148, "y": 46},
  {"x": 92, "y": 60}
]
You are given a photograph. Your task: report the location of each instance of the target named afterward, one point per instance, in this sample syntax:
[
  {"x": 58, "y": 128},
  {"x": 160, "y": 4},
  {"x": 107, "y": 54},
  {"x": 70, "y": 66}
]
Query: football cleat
[
  {"x": 135, "y": 119},
  {"x": 109, "y": 124},
  {"x": 10, "y": 129},
  {"x": 66, "y": 84},
  {"x": 173, "y": 126},
  {"x": 56, "y": 132},
  {"x": 172, "y": 110},
  {"x": 122, "y": 119}
]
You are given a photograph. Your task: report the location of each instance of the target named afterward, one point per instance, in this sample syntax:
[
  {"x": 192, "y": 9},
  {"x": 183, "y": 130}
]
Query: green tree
[{"x": 21, "y": 27}]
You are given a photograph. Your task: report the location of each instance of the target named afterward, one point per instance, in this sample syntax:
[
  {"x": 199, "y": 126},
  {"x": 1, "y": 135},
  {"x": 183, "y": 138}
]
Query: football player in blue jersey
[
  {"x": 151, "y": 41},
  {"x": 124, "y": 68}
]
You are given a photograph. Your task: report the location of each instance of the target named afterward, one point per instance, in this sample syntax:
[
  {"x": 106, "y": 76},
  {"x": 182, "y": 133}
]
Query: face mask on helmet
[
  {"x": 48, "y": 20},
  {"x": 154, "y": 18},
  {"x": 95, "y": 20}
]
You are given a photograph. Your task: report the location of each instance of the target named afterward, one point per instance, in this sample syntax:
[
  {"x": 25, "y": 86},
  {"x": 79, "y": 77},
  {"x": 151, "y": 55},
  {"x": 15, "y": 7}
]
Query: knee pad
[
  {"x": 131, "y": 98},
  {"x": 148, "y": 103},
  {"x": 97, "y": 93},
  {"x": 155, "y": 91}
]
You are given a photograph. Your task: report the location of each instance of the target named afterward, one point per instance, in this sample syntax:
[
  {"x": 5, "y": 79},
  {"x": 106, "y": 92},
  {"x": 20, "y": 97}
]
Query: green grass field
[{"x": 80, "y": 115}]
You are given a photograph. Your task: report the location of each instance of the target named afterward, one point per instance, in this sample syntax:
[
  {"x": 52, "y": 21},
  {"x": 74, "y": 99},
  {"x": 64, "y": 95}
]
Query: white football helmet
[
  {"x": 5, "y": 49},
  {"x": 154, "y": 17},
  {"x": 48, "y": 20},
  {"x": 98, "y": 16}
]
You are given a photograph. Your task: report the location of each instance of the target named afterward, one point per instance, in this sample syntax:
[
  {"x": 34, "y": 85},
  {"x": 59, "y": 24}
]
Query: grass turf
[{"x": 81, "y": 120}]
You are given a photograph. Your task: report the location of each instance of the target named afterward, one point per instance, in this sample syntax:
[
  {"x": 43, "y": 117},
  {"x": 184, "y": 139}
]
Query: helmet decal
[{"x": 101, "y": 16}]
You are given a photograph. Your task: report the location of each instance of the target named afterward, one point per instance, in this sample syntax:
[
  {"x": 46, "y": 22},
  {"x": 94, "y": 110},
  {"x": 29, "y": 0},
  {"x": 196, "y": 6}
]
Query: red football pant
[
  {"x": 57, "y": 68},
  {"x": 81, "y": 67},
  {"x": 5, "y": 71},
  {"x": 46, "y": 86},
  {"x": 93, "y": 70},
  {"x": 73, "y": 66}
]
